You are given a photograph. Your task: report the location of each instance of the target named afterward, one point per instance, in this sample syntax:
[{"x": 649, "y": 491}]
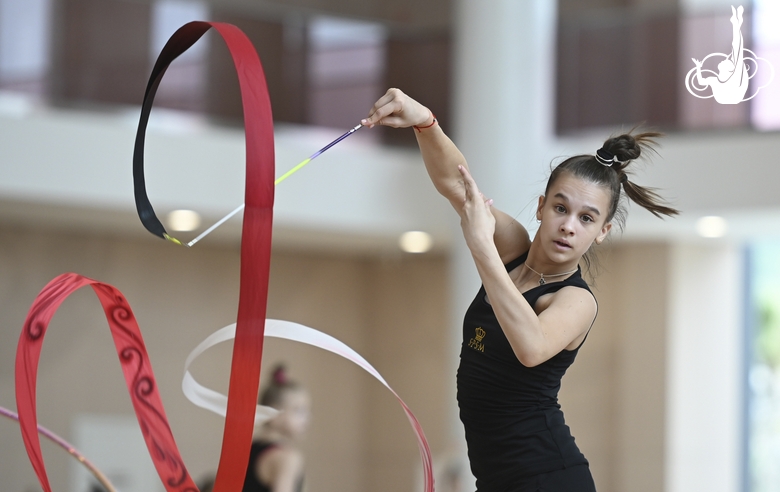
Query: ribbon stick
[
  {"x": 99, "y": 475},
  {"x": 137, "y": 370},
  {"x": 215, "y": 402},
  {"x": 315, "y": 155},
  {"x": 255, "y": 236},
  {"x": 278, "y": 180}
]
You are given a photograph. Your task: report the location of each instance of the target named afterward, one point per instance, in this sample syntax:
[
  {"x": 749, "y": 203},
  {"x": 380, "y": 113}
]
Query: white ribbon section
[
  {"x": 210, "y": 399},
  {"x": 217, "y": 402}
]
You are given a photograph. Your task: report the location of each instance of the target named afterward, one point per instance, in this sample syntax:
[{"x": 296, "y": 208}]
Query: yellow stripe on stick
[{"x": 292, "y": 171}]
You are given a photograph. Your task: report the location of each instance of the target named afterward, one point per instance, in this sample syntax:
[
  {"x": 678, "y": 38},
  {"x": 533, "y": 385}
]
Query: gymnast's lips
[{"x": 562, "y": 244}]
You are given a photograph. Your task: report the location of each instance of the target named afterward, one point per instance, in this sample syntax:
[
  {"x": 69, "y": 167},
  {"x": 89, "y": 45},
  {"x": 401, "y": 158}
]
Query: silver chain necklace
[{"x": 542, "y": 281}]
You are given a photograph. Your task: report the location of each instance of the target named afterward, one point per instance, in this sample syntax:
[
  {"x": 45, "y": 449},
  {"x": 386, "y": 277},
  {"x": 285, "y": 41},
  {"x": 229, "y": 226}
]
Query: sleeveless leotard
[{"x": 514, "y": 424}]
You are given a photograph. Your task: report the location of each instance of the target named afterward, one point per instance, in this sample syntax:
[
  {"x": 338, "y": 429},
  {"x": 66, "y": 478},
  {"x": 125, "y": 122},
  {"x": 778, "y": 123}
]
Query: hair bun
[
  {"x": 628, "y": 146},
  {"x": 278, "y": 385},
  {"x": 279, "y": 376},
  {"x": 624, "y": 147}
]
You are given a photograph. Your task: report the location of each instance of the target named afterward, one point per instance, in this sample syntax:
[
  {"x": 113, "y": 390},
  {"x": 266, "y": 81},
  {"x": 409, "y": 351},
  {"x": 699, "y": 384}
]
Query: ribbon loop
[
  {"x": 287, "y": 330},
  {"x": 136, "y": 367}
]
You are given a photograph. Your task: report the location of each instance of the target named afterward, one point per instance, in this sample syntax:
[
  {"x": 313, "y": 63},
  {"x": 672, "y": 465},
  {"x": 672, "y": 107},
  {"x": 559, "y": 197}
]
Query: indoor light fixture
[
  {"x": 183, "y": 220},
  {"x": 415, "y": 242},
  {"x": 711, "y": 226}
]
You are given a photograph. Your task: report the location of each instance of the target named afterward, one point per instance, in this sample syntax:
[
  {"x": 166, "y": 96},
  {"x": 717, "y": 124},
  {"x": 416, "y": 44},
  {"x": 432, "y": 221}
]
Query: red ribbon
[
  {"x": 255, "y": 265},
  {"x": 135, "y": 366}
]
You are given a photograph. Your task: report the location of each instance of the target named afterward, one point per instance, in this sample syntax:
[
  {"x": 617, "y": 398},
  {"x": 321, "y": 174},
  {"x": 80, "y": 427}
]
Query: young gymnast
[
  {"x": 534, "y": 310},
  {"x": 275, "y": 463}
]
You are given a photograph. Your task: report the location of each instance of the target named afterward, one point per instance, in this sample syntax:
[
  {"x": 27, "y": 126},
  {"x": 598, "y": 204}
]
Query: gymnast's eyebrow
[{"x": 587, "y": 207}]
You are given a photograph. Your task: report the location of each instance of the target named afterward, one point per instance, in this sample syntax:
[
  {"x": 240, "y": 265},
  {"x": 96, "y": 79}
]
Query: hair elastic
[{"x": 605, "y": 157}]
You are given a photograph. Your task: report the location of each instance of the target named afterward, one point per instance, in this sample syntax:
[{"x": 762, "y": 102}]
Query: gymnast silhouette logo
[{"x": 730, "y": 83}]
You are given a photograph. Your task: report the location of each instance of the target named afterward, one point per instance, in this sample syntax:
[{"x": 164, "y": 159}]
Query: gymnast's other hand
[
  {"x": 397, "y": 110},
  {"x": 476, "y": 217}
]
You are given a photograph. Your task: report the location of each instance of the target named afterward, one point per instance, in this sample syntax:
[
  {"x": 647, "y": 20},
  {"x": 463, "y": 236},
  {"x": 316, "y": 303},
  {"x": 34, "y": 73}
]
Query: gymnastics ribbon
[
  {"x": 51, "y": 436},
  {"x": 249, "y": 330},
  {"x": 255, "y": 237},
  {"x": 216, "y": 402},
  {"x": 135, "y": 365},
  {"x": 239, "y": 408}
]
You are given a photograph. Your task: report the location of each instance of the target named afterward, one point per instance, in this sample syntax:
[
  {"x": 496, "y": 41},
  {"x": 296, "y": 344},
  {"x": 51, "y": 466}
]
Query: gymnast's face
[
  {"x": 293, "y": 421},
  {"x": 573, "y": 216}
]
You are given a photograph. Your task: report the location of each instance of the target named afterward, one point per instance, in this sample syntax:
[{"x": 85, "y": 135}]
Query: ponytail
[
  {"x": 625, "y": 149},
  {"x": 648, "y": 199}
]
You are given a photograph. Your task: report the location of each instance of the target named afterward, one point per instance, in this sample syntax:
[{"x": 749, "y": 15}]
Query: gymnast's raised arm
[{"x": 442, "y": 158}]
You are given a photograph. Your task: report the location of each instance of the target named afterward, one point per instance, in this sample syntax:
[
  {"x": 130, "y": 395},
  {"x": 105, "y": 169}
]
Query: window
[{"x": 764, "y": 368}]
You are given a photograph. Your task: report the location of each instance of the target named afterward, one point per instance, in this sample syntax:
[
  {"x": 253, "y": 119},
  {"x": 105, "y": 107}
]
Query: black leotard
[
  {"x": 251, "y": 482},
  {"x": 514, "y": 424}
]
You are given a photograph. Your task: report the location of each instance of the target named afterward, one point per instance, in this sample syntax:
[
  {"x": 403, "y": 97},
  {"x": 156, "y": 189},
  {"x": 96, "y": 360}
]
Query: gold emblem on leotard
[
  {"x": 480, "y": 334},
  {"x": 476, "y": 342}
]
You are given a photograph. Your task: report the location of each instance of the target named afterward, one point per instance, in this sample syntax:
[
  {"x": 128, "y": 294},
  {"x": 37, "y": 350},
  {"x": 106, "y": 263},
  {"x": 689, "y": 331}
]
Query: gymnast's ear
[
  {"x": 604, "y": 233},
  {"x": 539, "y": 208}
]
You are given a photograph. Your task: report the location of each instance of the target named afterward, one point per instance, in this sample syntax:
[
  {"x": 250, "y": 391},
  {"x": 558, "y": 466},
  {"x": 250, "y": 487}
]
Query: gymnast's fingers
[
  {"x": 470, "y": 186},
  {"x": 397, "y": 110},
  {"x": 383, "y": 109}
]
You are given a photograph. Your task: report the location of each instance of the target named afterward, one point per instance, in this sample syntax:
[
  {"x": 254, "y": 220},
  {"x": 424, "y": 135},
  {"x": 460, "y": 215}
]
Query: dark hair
[
  {"x": 607, "y": 168},
  {"x": 273, "y": 394}
]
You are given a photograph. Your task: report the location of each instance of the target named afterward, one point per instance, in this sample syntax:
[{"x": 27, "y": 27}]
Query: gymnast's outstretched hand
[{"x": 397, "y": 110}]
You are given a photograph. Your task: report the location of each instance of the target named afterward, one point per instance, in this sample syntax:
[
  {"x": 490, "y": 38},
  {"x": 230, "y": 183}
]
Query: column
[{"x": 705, "y": 374}]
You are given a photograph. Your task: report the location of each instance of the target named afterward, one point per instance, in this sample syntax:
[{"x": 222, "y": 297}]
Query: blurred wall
[
  {"x": 654, "y": 399},
  {"x": 614, "y": 394}
]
